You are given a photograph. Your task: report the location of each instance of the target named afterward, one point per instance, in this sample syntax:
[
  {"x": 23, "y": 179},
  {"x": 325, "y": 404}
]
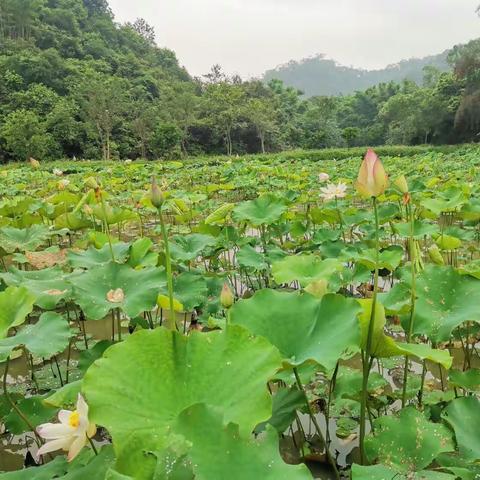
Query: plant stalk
[
  {"x": 368, "y": 348},
  {"x": 170, "y": 323}
]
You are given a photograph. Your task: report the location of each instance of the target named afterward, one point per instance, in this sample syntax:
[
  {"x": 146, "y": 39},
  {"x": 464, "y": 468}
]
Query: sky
[{"x": 247, "y": 37}]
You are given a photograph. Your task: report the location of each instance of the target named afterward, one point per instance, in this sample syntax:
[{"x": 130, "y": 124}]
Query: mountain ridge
[{"x": 321, "y": 76}]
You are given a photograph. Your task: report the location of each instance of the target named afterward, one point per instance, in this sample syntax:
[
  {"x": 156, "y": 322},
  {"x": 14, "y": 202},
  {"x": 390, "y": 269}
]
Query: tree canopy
[{"x": 74, "y": 83}]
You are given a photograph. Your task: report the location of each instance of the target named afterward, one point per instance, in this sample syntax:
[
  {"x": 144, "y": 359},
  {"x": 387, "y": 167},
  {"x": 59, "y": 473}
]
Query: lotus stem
[
  {"x": 15, "y": 406},
  {"x": 316, "y": 425},
  {"x": 413, "y": 297},
  {"x": 107, "y": 227},
  {"x": 368, "y": 348},
  {"x": 171, "y": 323}
]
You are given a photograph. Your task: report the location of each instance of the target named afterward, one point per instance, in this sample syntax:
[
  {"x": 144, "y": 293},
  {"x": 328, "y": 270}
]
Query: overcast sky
[{"x": 251, "y": 36}]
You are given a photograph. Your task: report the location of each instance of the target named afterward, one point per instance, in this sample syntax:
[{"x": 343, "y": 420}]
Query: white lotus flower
[
  {"x": 323, "y": 177},
  {"x": 57, "y": 172},
  {"x": 71, "y": 434},
  {"x": 332, "y": 191},
  {"x": 62, "y": 184}
]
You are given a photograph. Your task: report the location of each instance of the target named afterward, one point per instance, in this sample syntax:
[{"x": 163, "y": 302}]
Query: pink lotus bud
[
  {"x": 34, "y": 163},
  {"x": 323, "y": 177},
  {"x": 372, "y": 180}
]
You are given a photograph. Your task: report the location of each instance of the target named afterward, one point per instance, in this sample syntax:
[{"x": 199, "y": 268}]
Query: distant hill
[{"x": 321, "y": 76}]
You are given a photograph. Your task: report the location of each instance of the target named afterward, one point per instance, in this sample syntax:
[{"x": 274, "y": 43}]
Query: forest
[{"x": 76, "y": 84}]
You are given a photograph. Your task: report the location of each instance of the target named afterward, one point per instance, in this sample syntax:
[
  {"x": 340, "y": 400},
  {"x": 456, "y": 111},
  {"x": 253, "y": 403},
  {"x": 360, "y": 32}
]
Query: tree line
[{"x": 75, "y": 84}]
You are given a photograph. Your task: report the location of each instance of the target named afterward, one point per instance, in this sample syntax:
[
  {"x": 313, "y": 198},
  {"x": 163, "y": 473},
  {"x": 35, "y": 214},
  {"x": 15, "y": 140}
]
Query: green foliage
[{"x": 73, "y": 83}]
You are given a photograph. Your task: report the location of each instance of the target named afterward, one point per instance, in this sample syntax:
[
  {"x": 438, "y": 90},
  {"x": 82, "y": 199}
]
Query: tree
[
  {"x": 350, "y": 135},
  {"x": 104, "y": 101},
  {"x": 146, "y": 31},
  {"x": 143, "y": 124},
  {"x": 165, "y": 140},
  {"x": 25, "y": 135},
  {"x": 261, "y": 113},
  {"x": 225, "y": 106}
]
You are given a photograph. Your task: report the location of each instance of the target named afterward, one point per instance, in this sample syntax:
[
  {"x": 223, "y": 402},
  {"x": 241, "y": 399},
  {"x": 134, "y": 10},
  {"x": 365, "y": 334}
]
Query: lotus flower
[
  {"x": 62, "y": 184},
  {"x": 332, "y": 191},
  {"x": 372, "y": 180},
  {"x": 71, "y": 434},
  {"x": 116, "y": 296},
  {"x": 57, "y": 172},
  {"x": 323, "y": 177}
]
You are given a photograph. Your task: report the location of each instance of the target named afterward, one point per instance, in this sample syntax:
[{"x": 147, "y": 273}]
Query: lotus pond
[{"x": 272, "y": 317}]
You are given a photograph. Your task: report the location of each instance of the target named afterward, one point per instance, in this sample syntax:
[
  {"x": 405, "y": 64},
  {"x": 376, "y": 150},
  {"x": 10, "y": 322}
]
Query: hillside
[{"x": 322, "y": 76}]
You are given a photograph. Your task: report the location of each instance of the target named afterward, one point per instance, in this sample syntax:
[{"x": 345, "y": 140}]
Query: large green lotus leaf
[
  {"x": 458, "y": 465},
  {"x": 463, "y": 414},
  {"x": 301, "y": 326},
  {"x": 389, "y": 258},
  {"x": 114, "y": 475},
  {"x": 139, "y": 399},
  {"x": 86, "y": 465},
  {"x": 286, "y": 402},
  {"x": 113, "y": 214},
  {"x": 387, "y": 212},
  {"x": 140, "y": 289},
  {"x": 218, "y": 452},
  {"x": 469, "y": 380},
  {"x": 305, "y": 269},
  {"x": 382, "y": 345},
  {"x": 49, "y": 286},
  {"x": 15, "y": 304},
  {"x": 190, "y": 290},
  {"x": 87, "y": 357},
  {"x": 448, "y": 242},
  {"x": 450, "y": 203},
  {"x": 471, "y": 268},
  {"x": 471, "y": 210},
  {"x": 407, "y": 442},
  {"x": 141, "y": 254},
  {"x": 248, "y": 257},
  {"x": 424, "y": 352},
  {"x": 326, "y": 235},
  {"x": 65, "y": 396},
  {"x": 349, "y": 383},
  {"x": 445, "y": 300},
  {"x": 186, "y": 248},
  {"x": 397, "y": 301},
  {"x": 220, "y": 214},
  {"x": 94, "y": 467},
  {"x": 385, "y": 346},
  {"x": 264, "y": 210},
  {"x": 381, "y": 472},
  {"x": 54, "y": 469},
  {"x": 50, "y": 335},
  {"x": 420, "y": 229},
  {"x": 34, "y": 410},
  {"x": 23, "y": 239},
  {"x": 73, "y": 221},
  {"x": 94, "y": 257}
]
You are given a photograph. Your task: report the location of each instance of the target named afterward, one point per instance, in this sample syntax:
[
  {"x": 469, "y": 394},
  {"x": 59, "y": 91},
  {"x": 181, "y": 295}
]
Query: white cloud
[{"x": 250, "y": 36}]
